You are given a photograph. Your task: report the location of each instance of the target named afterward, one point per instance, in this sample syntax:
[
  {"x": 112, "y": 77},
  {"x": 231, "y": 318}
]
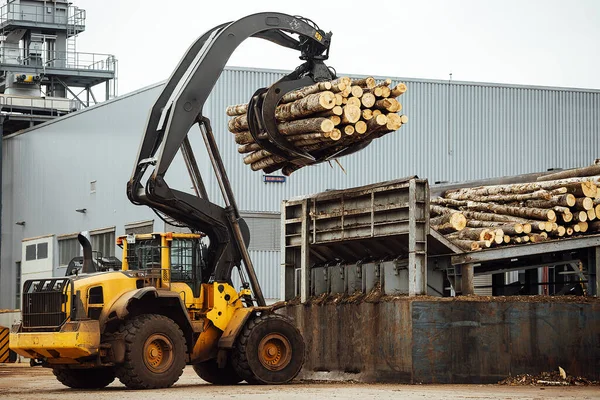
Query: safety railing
[
  {"x": 70, "y": 16},
  {"x": 53, "y": 106},
  {"x": 58, "y": 59}
]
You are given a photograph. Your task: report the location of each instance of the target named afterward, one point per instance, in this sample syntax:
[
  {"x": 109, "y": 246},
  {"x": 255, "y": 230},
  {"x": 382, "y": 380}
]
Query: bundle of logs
[
  {"x": 333, "y": 114},
  {"x": 557, "y": 205}
]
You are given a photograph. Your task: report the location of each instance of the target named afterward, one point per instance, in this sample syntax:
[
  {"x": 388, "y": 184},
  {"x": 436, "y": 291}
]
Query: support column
[
  {"x": 305, "y": 254},
  {"x": 417, "y": 242},
  {"x": 468, "y": 282},
  {"x": 596, "y": 269},
  {"x": 288, "y": 265}
]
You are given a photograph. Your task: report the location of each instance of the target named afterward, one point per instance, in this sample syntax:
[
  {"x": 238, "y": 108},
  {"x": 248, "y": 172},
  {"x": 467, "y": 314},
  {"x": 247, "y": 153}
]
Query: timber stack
[
  {"x": 558, "y": 205},
  {"x": 331, "y": 115}
]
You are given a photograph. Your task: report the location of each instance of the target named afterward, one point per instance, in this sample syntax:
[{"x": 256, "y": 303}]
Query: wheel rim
[
  {"x": 275, "y": 352},
  {"x": 158, "y": 353}
]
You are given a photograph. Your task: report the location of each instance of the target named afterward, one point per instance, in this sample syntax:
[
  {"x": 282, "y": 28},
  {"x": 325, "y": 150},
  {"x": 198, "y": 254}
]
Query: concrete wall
[{"x": 405, "y": 341}]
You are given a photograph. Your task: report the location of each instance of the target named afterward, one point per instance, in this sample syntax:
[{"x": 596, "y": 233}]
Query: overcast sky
[{"x": 537, "y": 42}]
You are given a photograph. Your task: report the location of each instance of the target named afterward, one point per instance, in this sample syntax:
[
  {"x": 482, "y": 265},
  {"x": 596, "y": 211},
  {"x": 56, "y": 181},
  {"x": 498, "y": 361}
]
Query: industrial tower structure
[{"x": 42, "y": 75}]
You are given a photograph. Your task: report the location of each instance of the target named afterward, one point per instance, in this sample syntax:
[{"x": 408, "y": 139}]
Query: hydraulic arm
[{"x": 179, "y": 107}]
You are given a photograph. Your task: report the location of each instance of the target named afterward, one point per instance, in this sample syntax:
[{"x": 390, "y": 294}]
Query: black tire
[
  {"x": 211, "y": 373},
  {"x": 91, "y": 378},
  {"x": 250, "y": 358},
  {"x": 154, "y": 352}
]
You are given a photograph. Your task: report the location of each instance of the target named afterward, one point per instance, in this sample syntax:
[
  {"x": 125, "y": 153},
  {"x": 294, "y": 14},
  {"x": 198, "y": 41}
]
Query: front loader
[{"x": 173, "y": 303}]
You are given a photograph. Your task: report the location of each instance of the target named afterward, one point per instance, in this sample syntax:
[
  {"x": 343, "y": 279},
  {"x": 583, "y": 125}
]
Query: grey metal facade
[{"x": 457, "y": 131}]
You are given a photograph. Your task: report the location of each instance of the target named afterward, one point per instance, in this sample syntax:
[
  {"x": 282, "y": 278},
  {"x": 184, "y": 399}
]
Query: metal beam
[
  {"x": 70, "y": 91},
  {"x": 527, "y": 250},
  {"x": 305, "y": 255}
]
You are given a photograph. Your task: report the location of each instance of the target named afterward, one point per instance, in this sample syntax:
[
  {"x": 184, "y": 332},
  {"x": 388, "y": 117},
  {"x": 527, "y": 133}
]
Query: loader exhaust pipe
[{"x": 88, "y": 264}]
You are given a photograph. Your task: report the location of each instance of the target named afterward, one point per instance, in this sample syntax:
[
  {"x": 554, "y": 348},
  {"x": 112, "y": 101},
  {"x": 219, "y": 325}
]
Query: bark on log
[
  {"x": 249, "y": 148},
  {"x": 338, "y": 87},
  {"x": 584, "y": 203},
  {"x": 385, "y": 91},
  {"x": 576, "y": 186},
  {"x": 467, "y": 245},
  {"x": 376, "y": 91},
  {"x": 456, "y": 219},
  {"x": 523, "y": 212},
  {"x": 244, "y": 138},
  {"x": 335, "y": 111},
  {"x": 376, "y": 122},
  {"x": 502, "y": 198},
  {"x": 572, "y": 173},
  {"x": 594, "y": 226},
  {"x": 388, "y": 104},
  {"x": 385, "y": 83},
  {"x": 509, "y": 229},
  {"x": 305, "y": 91},
  {"x": 591, "y": 214},
  {"x": 256, "y": 156},
  {"x": 309, "y": 136},
  {"x": 310, "y": 104},
  {"x": 368, "y": 82},
  {"x": 565, "y": 200},
  {"x": 238, "y": 124},
  {"x": 266, "y": 162},
  {"x": 307, "y": 125},
  {"x": 238, "y": 109},
  {"x": 344, "y": 79},
  {"x": 398, "y": 90},
  {"x": 476, "y": 234}
]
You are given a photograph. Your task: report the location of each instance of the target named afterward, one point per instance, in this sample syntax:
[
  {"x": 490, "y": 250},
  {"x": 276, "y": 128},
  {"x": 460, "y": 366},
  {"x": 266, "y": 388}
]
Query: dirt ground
[{"x": 22, "y": 382}]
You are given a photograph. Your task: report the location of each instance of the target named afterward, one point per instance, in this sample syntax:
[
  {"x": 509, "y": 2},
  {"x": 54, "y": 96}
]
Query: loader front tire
[
  {"x": 269, "y": 350},
  {"x": 154, "y": 352},
  {"x": 92, "y": 378},
  {"x": 210, "y": 372}
]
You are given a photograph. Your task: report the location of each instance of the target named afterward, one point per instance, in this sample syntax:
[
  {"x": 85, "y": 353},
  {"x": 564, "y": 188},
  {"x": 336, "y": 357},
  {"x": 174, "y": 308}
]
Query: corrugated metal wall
[{"x": 457, "y": 131}]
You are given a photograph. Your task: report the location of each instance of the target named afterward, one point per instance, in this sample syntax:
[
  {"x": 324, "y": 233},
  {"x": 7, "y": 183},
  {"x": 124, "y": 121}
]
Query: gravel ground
[{"x": 23, "y": 382}]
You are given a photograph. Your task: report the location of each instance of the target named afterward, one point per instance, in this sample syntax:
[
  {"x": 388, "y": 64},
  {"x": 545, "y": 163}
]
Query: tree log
[
  {"x": 398, "y": 90},
  {"x": 335, "y": 111},
  {"x": 367, "y": 114},
  {"x": 385, "y": 91},
  {"x": 350, "y": 115},
  {"x": 584, "y": 203},
  {"x": 338, "y": 99},
  {"x": 336, "y": 134},
  {"x": 244, "y": 138},
  {"x": 576, "y": 186},
  {"x": 502, "y": 198},
  {"x": 456, "y": 219},
  {"x": 354, "y": 101},
  {"x": 310, "y": 104},
  {"x": 565, "y": 200},
  {"x": 376, "y": 91},
  {"x": 256, "y": 156},
  {"x": 368, "y": 100},
  {"x": 594, "y": 226},
  {"x": 591, "y": 214},
  {"x": 305, "y": 91},
  {"x": 356, "y": 91},
  {"x": 388, "y": 104},
  {"x": 348, "y": 129},
  {"x": 238, "y": 109},
  {"x": 467, "y": 245},
  {"x": 344, "y": 79},
  {"x": 477, "y": 234},
  {"x": 338, "y": 87},
  {"x": 376, "y": 122},
  {"x": 523, "y": 212},
  {"x": 580, "y": 216},
  {"x": 335, "y": 119},
  {"x": 249, "y": 148},
  {"x": 509, "y": 229},
  {"x": 368, "y": 82},
  {"x": 394, "y": 122},
  {"x": 308, "y": 125},
  {"x": 360, "y": 127},
  {"x": 583, "y": 226},
  {"x": 572, "y": 173}
]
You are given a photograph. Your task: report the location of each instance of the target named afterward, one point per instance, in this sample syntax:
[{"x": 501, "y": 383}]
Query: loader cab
[{"x": 170, "y": 257}]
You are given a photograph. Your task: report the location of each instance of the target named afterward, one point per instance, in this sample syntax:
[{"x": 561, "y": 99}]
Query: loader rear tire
[
  {"x": 211, "y": 373},
  {"x": 91, "y": 378},
  {"x": 269, "y": 350},
  {"x": 154, "y": 352}
]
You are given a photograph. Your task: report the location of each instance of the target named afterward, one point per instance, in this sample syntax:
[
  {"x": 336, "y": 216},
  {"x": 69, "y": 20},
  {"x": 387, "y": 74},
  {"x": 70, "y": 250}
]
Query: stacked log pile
[
  {"x": 557, "y": 205},
  {"x": 334, "y": 114}
]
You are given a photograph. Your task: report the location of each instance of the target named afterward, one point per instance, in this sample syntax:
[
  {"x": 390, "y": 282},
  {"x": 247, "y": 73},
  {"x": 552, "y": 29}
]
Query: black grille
[{"x": 46, "y": 303}]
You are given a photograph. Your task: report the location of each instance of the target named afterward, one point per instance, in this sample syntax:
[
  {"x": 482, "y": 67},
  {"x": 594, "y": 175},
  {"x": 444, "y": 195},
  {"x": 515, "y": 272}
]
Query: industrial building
[{"x": 69, "y": 174}]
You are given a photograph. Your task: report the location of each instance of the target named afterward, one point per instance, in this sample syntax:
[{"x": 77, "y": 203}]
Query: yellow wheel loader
[{"x": 173, "y": 303}]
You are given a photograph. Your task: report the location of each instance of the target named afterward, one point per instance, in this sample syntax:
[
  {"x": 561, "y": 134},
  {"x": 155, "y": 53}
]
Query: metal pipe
[{"x": 233, "y": 213}]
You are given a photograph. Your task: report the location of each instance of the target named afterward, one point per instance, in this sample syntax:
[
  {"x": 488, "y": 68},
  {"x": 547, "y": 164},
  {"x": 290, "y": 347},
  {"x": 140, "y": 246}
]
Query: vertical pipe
[{"x": 468, "y": 283}]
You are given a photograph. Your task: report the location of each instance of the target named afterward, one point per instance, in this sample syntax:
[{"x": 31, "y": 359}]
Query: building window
[
  {"x": 68, "y": 248},
  {"x": 30, "y": 252},
  {"x": 18, "y": 285},
  {"x": 103, "y": 241},
  {"x": 137, "y": 228},
  {"x": 42, "y": 251}
]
